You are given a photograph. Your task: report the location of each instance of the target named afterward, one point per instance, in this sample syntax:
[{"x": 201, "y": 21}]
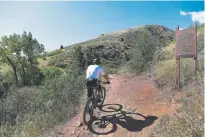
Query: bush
[
  {"x": 55, "y": 52},
  {"x": 38, "y": 109},
  {"x": 143, "y": 54},
  {"x": 51, "y": 72},
  {"x": 166, "y": 72},
  {"x": 165, "y": 53},
  {"x": 7, "y": 77},
  {"x": 110, "y": 68}
]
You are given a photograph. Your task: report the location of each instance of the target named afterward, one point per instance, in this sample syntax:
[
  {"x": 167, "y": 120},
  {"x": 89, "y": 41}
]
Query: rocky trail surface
[{"x": 131, "y": 109}]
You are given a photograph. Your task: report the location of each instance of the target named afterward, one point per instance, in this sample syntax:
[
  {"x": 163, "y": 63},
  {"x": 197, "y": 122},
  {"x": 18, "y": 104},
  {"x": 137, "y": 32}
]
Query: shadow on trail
[
  {"x": 111, "y": 108},
  {"x": 107, "y": 124}
]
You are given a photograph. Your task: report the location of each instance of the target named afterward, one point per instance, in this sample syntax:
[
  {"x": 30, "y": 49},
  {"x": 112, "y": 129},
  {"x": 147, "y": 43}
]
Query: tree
[
  {"x": 31, "y": 49},
  {"x": 10, "y": 50},
  {"x": 21, "y": 52},
  {"x": 61, "y": 47}
]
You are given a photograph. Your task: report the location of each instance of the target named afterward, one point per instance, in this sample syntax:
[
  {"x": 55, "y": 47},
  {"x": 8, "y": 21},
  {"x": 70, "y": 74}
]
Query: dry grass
[
  {"x": 190, "y": 121},
  {"x": 166, "y": 72}
]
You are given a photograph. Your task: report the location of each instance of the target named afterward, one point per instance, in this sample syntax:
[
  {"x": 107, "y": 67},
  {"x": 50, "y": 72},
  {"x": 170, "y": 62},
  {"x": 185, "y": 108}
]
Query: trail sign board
[
  {"x": 186, "y": 43},
  {"x": 186, "y": 47}
]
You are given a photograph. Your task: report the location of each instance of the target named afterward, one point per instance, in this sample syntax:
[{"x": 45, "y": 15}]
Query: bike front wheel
[
  {"x": 88, "y": 111},
  {"x": 101, "y": 92}
]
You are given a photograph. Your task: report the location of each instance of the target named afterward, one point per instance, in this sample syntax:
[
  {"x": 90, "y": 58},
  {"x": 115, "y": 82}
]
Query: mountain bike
[{"x": 96, "y": 100}]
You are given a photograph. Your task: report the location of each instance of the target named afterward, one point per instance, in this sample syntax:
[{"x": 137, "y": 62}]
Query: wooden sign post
[{"x": 186, "y": 47}]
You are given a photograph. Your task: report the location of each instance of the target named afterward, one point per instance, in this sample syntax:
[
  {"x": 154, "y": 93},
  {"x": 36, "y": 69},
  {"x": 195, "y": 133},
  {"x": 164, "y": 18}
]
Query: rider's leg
[
  {"x": 96, "y": 83},
  {"x": 90, "y": 91}
]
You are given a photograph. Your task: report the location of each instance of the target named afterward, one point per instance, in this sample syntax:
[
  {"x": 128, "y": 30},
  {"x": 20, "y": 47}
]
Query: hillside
[{"x": 115, "y": 49}]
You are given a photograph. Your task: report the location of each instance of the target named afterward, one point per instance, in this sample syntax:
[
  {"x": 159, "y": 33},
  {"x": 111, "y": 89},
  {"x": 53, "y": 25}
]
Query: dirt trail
[{"x": 132, "y": 108}]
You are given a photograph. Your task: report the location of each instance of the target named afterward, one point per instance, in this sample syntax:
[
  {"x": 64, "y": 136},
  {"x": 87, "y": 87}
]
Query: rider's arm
[{"x": 104, "y": 74}]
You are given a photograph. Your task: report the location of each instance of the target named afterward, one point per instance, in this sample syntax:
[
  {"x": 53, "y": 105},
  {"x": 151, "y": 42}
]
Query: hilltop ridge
[
  {"x": 116, "y": 47},
  {"x": 121, "y": 33}
]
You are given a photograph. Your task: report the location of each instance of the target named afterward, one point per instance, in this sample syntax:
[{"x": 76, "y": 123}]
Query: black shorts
[{"x": 91, "y": 82}]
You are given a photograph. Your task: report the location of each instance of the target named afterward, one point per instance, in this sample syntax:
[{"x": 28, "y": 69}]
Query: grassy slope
[{"x": 114, "y": 49}]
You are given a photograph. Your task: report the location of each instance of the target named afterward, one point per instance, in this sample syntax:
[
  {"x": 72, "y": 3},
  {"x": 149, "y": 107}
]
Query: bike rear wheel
[{"x": 88, "y": 111}]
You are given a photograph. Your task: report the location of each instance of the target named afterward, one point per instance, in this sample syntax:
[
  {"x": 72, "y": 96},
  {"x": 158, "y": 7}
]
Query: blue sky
[{"x": 66, "y": 23}]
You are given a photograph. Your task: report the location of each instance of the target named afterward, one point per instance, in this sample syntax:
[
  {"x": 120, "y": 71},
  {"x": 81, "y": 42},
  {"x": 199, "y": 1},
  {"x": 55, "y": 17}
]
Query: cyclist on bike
[{"x": 93, "y": 73}]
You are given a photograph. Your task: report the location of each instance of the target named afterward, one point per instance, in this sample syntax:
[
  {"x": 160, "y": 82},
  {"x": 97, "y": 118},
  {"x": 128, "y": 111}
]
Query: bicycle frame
[{"x": 94, "y": 96}]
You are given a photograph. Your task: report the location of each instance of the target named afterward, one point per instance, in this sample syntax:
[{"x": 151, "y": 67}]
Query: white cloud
[
  {"x": 183, "y": 13},
  {"x": 198, "y": 16},
  {"x": 181, "y": 28},
  {"x": 195, "y": 16}
]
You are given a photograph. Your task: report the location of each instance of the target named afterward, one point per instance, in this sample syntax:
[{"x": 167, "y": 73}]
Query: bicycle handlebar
[{"x": 104, "y": 82}]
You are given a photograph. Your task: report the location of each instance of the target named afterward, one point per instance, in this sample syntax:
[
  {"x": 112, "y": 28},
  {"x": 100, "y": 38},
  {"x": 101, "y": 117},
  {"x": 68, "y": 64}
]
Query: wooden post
[
  {"x": 177, "y": 60},
  {"x": 195, "y": 67},
  {"x": 178, "y": 73},
  {"x": 194, "y": 31}
]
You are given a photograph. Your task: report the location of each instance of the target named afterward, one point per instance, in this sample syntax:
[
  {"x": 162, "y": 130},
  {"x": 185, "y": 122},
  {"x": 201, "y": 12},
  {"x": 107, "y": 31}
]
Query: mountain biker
[{"x": 93, "y": 73}]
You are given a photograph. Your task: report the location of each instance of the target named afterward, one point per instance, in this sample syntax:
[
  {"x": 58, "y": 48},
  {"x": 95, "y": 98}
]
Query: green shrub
[
  {"x": 200, "y": 28},
  {"x": 55, "y": 52},
  {"x": 7, "y": 77},
  {"x": 143, "y": 54},
  {"x": 165, "y": 53},
  {"x": 110, "y": 69},
  {"x": 38, "y": 109},
  {"x": 51, "y": 72},
  {"x": 166, "y": 72},
  {"x": 57, "y": 61}
]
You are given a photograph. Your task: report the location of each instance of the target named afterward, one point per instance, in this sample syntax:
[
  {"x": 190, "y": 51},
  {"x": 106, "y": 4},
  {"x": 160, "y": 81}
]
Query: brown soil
[{"x": 134, "y": 94}]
